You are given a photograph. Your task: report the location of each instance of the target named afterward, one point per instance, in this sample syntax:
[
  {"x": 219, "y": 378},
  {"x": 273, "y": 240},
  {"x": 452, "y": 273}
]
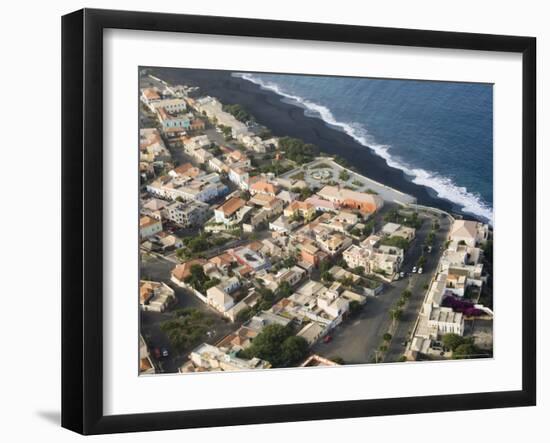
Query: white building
[
  {"x": 219, "y": 299},
  {"x": 188, "y": 213},
  {"x": 172, "y": 105},
  {"x": 149, "y": 226},
  {"x": 469, "y": 232},
  {"x": 443, "y": 321}
]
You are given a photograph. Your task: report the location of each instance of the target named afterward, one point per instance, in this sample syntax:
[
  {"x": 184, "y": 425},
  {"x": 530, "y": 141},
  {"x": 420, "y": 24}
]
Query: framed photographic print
[{"x": 271, "y": 221}]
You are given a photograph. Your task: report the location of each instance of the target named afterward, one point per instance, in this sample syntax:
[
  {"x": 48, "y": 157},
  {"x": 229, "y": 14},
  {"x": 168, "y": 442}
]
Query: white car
[
  {"x": 414, "y": 270},
  {"x": 401, "y": 274},
  {"x": 420, "y": 270}
]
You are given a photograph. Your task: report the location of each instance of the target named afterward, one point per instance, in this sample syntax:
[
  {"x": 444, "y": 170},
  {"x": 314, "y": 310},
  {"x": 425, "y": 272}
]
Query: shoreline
[{"x": 286, "y": 119}]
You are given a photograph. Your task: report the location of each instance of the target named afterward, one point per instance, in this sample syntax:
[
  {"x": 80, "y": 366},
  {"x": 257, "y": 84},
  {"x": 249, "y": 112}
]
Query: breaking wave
[{"x": 444, "y": 187}]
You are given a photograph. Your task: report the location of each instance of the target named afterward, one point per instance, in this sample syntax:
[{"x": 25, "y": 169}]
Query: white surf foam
[{"x": 444, "y": 187}]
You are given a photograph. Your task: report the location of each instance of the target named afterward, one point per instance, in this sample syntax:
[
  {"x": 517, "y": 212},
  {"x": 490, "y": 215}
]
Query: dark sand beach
[{"x": 285, "y": 119}]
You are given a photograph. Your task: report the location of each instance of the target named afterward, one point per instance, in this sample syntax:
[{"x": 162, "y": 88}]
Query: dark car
[{"x": 156, "y": 353}]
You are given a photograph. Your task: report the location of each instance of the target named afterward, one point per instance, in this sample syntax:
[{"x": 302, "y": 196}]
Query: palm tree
[{"x": 395, "y": 315}]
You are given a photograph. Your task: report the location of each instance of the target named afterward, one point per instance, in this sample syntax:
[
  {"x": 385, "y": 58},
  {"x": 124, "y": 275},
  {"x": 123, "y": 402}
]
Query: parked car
[
  {"x": 164, "y": 352},
  {"x": 327, "y": 339},
  {"x": 414, "y": 269},
  {"x": 401, "y": 274},
  {"x": 156, "y": 353},
  {"x": 420, "y": 270}
]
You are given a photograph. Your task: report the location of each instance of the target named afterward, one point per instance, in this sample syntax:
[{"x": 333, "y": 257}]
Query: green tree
[
  {"x": 268, "y": 345},
  {"x": 327, "y": 277},
  {"x": 354, "y": 307},
  {"x": 344, "y": 175},
  {"x": 387, "y": 336},
  {"x": 294, "y": 349},
  {"x": 395, "y": 315},
  {"x": 284, "y": 289},
  {"x": 452, "y": 341},
  {"x": 245, "y": 314},
  {"x": 465, "y": 350}
]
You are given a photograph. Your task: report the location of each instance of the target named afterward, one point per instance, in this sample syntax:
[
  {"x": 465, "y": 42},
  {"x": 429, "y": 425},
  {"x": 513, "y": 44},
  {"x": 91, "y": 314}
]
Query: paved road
[
  {"x": 356, "y": 339},
  {"x": 411, "y": 310}
]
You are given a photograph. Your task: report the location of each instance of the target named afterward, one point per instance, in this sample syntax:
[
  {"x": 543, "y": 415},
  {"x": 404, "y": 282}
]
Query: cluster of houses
[
  {"x": 459, "y": 270},
  {"x": 220, "y": 192}
]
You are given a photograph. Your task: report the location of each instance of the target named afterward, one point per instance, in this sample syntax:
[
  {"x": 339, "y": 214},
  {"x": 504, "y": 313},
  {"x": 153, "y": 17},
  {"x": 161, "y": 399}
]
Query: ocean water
[{"x": 439, "y": 133}]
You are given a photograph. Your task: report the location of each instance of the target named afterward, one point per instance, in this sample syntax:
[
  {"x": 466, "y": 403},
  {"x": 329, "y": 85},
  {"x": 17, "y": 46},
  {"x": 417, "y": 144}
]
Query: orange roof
[
  {"x": 238, "y": 155},
  {"x": 300, "y": 206},
  {"x": 145, "y": 291},
  {"x": 188, "y": 169},
  {"x": 232, "y": 205},
  {"x": 151, "y": 94},
  {"x": 263, "y": 186},
  {"x": 147, "y": 221},
  {"x": 224, "y": 259},
  {"x": 145, "y": 364},
  {"x": 181, "y": 272}
]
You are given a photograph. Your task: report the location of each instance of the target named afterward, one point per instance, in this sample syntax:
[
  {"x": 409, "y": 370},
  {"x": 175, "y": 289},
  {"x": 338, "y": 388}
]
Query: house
[
  {"x": 374, "y": 258},
  {"x": 170, "y": 242},
  {"x": 364, "y": 202},
  {"x": 272, "y": 205},
  {"x": 202, "y": 188},
  {"x": 239, "y": 177},
  {"x": 468, "y": 232},
  {"x": 287, "y": 196},
  {"x": 149, "y": 226},
  {"x": 312, "y": 332},
  {"x": 264, "y": 187},
  {"x": 272, "y": 281},
  {"x": 219, "y": 299},
  {"x": 197, "y": 142},
  {"x": 397, "y": 230},
  {"x": 322, "y": 205},
  {"x": 150, "y": 96},
  {"x": 211, "y": 358},
  {"x": 171, "y": 121},
  {"x": 317, "y": 360},
  {"x": 228, "y": 212},
  {"x": 185, "y": 170},
  {"x": 170, "y": 105},
  {"x": 333, "y": 243},
  {"x": 311, "y": 254},
  {"x": 202, "y": 155},
  {"x": 443, "y": 321},
  {"x": 155, "y": 296},
  {"x": 188, "y": 213},
  {"x": 300, "y": 208},
  {"x": 250, "y": 258},
  {"x": 153, "y": 208},
  {"x": 183, "y": 271},
  {"x": 250, "y": 301},
  {"x": 282, "y": 225},
  {"x": 197, "y": 124},
  {"x": 217, "y": 165}
]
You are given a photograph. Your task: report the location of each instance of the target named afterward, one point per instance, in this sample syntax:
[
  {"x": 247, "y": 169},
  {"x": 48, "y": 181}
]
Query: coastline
[{"x": 284, "y": 118}]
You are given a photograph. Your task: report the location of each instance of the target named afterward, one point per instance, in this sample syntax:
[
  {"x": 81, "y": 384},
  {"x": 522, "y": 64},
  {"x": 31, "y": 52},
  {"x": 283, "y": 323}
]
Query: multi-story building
[{"x": 188, "y": 213}]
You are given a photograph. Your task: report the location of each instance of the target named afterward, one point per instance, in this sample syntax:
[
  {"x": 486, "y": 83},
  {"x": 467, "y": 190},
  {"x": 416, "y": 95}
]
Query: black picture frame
[{"x": 82, "y": 259}]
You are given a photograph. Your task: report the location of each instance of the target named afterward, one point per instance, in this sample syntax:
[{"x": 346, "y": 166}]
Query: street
[{"x": 357, "y": 338}]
